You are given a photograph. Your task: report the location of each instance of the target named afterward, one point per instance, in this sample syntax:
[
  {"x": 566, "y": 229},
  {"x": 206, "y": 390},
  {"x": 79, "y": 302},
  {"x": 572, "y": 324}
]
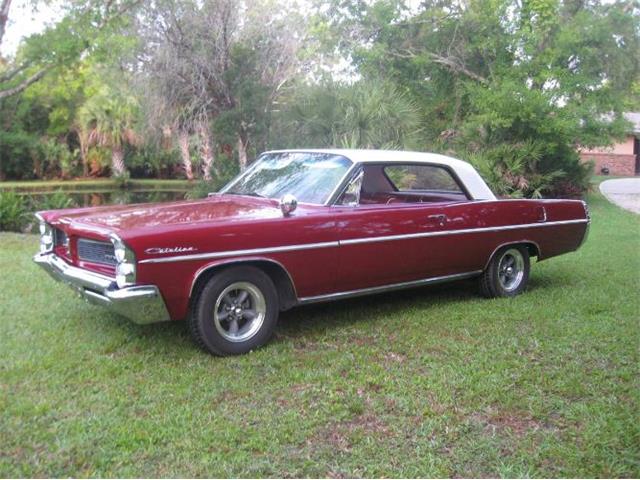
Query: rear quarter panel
[{"x": 553, "y": 226}]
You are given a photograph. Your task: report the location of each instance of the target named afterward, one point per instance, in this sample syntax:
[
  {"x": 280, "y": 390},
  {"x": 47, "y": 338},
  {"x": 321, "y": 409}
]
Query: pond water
[{"x": 112, "y": 197}]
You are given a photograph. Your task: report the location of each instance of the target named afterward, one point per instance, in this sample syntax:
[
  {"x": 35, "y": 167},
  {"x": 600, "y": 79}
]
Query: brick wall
[{"x": 621, "y": 165}]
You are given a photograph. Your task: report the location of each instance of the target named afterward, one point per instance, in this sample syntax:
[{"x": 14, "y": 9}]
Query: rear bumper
[
  {"x": 140, "y": 303},
  {"x": 586, "y": 230}
]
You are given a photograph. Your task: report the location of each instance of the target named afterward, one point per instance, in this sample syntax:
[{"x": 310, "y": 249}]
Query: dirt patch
[
  {"x": 395, "y": 357},
  {"x": 518, "y": 424},
  {"x": 341, "y": 436},
  {"x": 300, "y": 387},
  {"x": 332, "y": 474},
  {"x": 364, "y": 341},
  {"x": 301, "y": 345}
]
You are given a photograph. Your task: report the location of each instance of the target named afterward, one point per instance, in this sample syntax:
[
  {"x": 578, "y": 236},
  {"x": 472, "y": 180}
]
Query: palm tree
[
  {"x": 362, "y": 115},
  {"x": 109, "y": 121},
  {"x": 376, "y": 115}
]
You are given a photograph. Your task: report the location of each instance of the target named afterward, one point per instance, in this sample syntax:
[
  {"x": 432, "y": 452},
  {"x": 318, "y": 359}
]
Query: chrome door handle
[{"x": 542, "y": 214}]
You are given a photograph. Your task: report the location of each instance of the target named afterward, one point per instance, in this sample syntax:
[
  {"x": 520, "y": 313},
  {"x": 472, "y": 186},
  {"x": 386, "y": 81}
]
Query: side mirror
[{"x": 288, "y": 204}]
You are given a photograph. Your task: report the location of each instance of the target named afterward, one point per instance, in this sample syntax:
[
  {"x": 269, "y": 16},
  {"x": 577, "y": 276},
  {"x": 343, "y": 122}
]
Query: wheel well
[
  {"x": 279, "y": 276},
  {"x": 532, "y": 248}
]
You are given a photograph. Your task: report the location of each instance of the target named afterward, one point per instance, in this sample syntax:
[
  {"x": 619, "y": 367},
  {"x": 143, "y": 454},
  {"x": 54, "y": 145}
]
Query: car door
[{"x": 396, "y": 230}]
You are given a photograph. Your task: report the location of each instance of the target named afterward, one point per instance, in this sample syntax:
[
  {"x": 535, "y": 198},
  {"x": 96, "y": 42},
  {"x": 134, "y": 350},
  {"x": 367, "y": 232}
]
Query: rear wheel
[
  {"x": 507, "y": 274},
  {"x": 236, "y": 312}
]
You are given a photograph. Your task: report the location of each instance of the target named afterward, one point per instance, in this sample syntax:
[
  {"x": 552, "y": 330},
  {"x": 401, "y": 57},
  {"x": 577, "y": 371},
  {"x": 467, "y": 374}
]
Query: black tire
[
  {"x": 496, "y": 281},
  {"x": 216, "y": 333}
]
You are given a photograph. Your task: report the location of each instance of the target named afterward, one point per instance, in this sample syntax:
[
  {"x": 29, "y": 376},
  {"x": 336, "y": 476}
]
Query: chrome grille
[{"x": 96, "y": 252}]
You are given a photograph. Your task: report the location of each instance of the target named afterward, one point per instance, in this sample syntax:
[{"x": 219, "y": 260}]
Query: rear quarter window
[{"x": 421, "y": 178}]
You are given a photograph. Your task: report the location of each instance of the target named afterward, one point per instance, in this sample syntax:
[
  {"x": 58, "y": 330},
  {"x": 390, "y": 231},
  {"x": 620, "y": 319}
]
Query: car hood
[{"x": 215, "y": 209}]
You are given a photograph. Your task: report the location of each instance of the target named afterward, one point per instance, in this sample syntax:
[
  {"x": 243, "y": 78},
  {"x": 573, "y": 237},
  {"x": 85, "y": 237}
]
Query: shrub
[
  {"x": 223, "y": 170},
  {"x": 57, "y": 160},
  {"x": 122, "y": 181},
  {"x": 18, "y": 154},
  {"x": 519, "y": 171},
  {"x": 54, "y": 201},
  {"x": 153, "y": 162},
  {"x": 16, "y": 211},
  {"x": 13, "y": 211},
  {"x": 98, "y": 161},
  {"x": 201, "y": 189}
]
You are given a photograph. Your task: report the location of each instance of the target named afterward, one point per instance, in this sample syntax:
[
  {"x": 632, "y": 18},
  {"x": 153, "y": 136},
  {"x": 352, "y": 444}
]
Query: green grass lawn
[{"x": 432, "y": 382}]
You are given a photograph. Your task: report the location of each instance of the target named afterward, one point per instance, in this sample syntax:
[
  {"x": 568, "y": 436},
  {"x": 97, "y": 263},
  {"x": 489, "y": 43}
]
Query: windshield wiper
[{"x": 250, "y": 194}]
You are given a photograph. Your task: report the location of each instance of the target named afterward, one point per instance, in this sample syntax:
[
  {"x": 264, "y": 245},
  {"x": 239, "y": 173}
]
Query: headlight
[
  {"x": 125, "y": 274},
  {"x": 120, "y": 253},
  {"x": 46, "y": 236},
  {"x": 126, "y": 266}
]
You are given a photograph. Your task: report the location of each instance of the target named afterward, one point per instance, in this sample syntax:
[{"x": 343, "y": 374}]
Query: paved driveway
[{"x": 624, "y": 192}]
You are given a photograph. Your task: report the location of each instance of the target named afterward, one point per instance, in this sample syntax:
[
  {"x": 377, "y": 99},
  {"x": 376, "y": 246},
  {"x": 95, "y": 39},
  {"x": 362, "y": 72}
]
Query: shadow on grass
[
  {"x": 546, "y": 282},
  {"x": 362, "y": 309},
  {"x": 311, "y": 321},
  {"x": 373, "y": 308}
]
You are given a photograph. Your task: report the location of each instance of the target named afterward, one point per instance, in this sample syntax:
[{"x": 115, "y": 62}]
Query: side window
[{"x": 421, "y": 178}]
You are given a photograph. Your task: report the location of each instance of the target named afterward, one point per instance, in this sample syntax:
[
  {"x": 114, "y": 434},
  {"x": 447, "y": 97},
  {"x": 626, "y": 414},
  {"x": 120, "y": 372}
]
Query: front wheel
[
  {"x": 507, "y": 274},
  {"x": 236, "y": 312}
]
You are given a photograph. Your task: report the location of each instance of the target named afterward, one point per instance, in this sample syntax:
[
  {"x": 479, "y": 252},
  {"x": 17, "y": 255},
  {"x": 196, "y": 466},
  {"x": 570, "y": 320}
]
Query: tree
[
  {"x": 365, "y": 114},
  {"x": 5, "y": 6},
  {"x": 220, "y": 59},
  {"x": 83, "y": 26},
  {"x": 167, "y": 113},
  {"x": 493, "y": 72},
  {"x": 109, "y": 121}
]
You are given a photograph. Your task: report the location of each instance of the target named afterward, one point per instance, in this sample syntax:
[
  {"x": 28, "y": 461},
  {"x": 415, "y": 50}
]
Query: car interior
[{"x": 385, "y": 184}]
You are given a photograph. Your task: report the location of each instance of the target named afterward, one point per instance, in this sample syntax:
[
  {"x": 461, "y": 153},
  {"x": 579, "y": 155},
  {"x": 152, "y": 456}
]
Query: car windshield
[{"x": 309, "y": 176}]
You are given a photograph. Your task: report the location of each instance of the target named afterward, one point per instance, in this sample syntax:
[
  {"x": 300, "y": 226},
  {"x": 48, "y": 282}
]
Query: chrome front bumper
[{"x": 142, "y": 304}]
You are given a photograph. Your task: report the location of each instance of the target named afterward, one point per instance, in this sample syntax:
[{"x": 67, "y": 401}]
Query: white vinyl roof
[{"x": 474, "y": 183}]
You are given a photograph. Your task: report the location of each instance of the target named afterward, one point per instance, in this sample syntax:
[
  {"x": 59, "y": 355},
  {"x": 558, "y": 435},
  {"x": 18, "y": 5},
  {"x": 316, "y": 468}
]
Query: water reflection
[{"x": 116, "y": 197}]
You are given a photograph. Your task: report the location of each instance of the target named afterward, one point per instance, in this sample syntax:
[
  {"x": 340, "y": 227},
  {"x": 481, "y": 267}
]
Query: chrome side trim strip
[
  {"x": 387, "y": 288},
  {"x": 441, "y": 233},
  {"x": 353, "y": 241},
  {"x": 239, "y": 253}
]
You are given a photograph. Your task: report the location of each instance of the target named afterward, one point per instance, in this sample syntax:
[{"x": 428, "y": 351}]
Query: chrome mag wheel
[
  {"x": 511, "y": 269},
  {"x": 239, "y": 311}
]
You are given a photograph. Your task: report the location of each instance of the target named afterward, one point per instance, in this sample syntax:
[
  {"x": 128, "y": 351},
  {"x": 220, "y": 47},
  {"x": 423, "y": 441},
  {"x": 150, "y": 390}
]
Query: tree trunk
[
  {"x": 4, "y": 17},
  {"x": 242, "y": 150},
  {"x": 167, "y": 137},
  {"x": 117, "y": 161},
  {"x": 206, "y": 150},
  {"x": 84, "y": 150},
  {"x": 183, "y": 142}
]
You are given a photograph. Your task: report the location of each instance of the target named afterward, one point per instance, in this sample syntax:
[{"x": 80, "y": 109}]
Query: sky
[{"x": 25, "y": 21}]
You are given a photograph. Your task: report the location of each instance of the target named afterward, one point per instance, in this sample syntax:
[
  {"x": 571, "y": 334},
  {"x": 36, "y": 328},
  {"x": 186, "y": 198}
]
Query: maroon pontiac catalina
[{"x": 303, "y": 226}]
